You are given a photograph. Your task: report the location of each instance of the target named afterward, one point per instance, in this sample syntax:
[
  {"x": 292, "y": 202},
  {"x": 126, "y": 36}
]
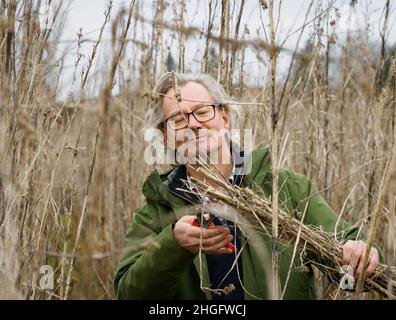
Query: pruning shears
[{"x": 208, "y": 223}]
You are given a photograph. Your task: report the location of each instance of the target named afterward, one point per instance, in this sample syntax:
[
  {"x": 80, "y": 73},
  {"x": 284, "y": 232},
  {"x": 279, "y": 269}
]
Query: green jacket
[{"x": 153, "y": 266}]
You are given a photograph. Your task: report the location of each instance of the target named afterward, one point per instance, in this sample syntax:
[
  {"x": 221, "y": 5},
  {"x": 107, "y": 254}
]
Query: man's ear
[{"x": 226, "y": 118}]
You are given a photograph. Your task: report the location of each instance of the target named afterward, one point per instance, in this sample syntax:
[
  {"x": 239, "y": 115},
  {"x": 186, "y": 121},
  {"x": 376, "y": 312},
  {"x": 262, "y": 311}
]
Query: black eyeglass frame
[{"x": 187, "y": 114}]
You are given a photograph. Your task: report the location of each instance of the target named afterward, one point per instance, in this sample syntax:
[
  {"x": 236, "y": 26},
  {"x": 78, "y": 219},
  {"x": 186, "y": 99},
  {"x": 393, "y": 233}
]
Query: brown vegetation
[{"x": 71, "y": 169}]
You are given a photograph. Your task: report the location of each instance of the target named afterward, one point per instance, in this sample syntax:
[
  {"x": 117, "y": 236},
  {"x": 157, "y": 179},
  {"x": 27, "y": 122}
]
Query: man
[{"x": 162, "y": 260}]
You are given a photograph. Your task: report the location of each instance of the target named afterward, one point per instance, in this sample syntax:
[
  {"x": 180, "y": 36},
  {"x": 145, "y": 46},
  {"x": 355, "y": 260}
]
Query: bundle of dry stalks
[{"x": 313, "y": 241}]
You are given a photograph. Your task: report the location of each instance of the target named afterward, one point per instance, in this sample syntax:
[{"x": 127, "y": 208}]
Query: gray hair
[{"x": 154, "y": 115}]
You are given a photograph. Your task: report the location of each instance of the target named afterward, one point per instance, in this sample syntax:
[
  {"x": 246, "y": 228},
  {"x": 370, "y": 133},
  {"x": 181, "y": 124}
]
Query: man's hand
[
  {"x": 213, "y": 240},
  {"x": 353, "y": 255}
]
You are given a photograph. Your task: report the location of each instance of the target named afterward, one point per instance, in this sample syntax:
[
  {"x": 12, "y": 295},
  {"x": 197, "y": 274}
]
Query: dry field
[{"x": 71, "y": 165}]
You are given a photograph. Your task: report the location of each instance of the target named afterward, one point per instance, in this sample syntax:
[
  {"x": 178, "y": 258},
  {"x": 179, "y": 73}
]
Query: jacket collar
[{"x": 177, "y": 183}]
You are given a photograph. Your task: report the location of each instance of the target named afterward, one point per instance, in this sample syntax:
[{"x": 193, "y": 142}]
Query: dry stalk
[
  {"x": 95, "y": 48},
  {"x": 80, "y": 224},
  {"x": 181, "y": 37},
  {"x": 224, "y": 46},
  {"x": 234, "y": 50},
  {"x": 212, "y": 12},
  {"x": 273, "y": 53}
]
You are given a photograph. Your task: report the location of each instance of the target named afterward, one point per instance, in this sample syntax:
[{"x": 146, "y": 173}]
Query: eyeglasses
[{"x": 201, "y": 114}]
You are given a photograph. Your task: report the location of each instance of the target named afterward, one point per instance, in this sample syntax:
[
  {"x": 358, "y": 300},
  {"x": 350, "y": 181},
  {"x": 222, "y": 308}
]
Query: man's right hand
[{"x": 212, "y": 241}]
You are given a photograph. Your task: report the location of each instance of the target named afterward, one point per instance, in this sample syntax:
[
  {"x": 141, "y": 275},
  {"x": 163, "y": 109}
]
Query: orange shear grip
[{"x": 229, "y": 245}]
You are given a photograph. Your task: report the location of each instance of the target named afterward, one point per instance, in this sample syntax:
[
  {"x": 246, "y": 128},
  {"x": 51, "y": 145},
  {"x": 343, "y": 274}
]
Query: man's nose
[{"x": 193, "y": 123}]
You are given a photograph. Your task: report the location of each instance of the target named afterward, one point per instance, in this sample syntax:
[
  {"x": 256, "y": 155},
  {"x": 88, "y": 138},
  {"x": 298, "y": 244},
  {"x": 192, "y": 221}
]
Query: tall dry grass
[{"x": 71, "y": 169}]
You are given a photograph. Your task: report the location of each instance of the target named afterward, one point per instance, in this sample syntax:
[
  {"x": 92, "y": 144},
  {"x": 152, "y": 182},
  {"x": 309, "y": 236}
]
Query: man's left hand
[{"x": 353, "y": 255}]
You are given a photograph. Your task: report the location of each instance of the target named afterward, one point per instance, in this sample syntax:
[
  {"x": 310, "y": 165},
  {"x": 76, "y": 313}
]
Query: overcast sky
[{"x": 89, "y": 15}]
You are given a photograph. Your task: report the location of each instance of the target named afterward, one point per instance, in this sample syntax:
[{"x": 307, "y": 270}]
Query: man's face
[{"x": 203, "y": 137}]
